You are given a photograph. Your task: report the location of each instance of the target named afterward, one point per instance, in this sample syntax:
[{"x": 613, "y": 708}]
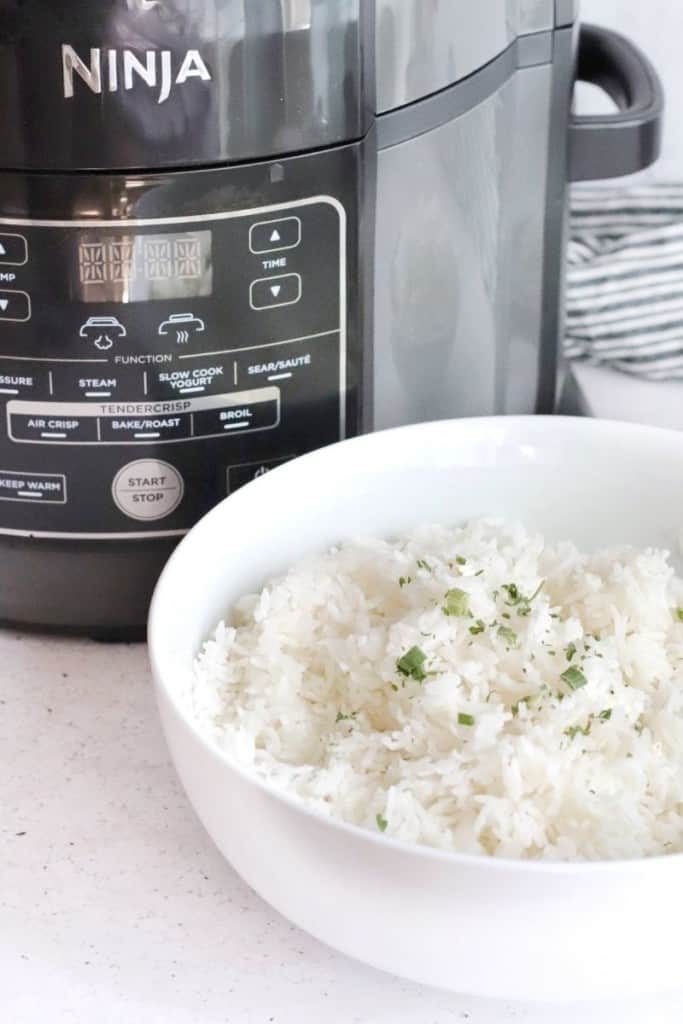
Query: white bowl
[{"x": 493, "y": 927}]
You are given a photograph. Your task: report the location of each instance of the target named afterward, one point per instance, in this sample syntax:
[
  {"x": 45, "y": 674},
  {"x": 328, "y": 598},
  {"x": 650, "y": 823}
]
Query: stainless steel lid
[
  {"x": 138, "y": 84},
  {"x": 423, "y": 46}
]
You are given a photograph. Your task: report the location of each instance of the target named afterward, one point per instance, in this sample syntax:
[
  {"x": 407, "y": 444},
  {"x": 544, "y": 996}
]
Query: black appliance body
[{"x": 235, "y": 230}]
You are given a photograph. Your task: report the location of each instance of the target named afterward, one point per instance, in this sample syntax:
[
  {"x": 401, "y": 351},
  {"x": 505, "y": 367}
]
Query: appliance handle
[{"x": 610, "y": 145}]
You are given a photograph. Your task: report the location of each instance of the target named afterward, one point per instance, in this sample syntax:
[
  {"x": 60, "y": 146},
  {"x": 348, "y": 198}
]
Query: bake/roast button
[{"x": 138, "y": 429}]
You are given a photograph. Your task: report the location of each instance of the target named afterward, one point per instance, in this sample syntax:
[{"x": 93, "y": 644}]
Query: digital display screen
[{"x": 139, "y": 268}]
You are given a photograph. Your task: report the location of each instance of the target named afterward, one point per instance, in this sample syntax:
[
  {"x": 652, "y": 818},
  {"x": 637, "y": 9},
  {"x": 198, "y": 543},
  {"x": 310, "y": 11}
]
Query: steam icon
[
  {"x": 99, "y": 330},
  {"x": 184, "y": 324}
]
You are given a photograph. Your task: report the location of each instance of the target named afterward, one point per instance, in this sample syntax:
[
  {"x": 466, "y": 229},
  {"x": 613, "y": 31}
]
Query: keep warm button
[{"x": 239, "y": 413}]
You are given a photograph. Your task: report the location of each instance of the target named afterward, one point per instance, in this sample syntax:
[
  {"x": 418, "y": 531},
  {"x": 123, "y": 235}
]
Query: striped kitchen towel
[{"x": 625, "y": 279}]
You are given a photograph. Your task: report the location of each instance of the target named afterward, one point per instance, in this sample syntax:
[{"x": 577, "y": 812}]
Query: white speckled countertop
[{"x": 115, "y": 908}]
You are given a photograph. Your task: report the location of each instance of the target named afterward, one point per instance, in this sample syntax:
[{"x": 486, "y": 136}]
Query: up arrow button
[
  {"x": 275, "y": 235},
  {"x": 13, "y": 250}
]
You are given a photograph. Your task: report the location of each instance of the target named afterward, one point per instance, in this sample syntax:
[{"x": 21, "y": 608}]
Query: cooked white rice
[{"x": 549, "y": 727}]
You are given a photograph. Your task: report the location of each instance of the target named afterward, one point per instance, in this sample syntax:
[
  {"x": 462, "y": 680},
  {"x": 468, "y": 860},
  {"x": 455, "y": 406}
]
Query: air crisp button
[{"x": 51, "y": 428}]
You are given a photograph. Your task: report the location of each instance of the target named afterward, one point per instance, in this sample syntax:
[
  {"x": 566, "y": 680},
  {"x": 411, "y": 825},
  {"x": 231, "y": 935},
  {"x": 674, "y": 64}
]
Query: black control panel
[{"x": 148, "y": 367}]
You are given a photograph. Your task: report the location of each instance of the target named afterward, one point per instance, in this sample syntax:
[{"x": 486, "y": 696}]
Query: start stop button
[{"x": 147, "y": 489}]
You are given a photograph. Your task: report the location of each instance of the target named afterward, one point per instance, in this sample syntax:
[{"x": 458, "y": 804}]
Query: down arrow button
[{"x": 268, "y": 292}]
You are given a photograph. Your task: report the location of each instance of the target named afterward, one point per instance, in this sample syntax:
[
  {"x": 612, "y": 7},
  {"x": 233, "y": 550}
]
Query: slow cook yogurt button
[{"x": 147, "y": 489}]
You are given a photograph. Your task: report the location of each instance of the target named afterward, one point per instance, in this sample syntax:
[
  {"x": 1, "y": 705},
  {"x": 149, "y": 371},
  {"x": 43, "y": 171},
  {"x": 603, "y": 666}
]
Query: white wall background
[{"x": 657, "y": 27}]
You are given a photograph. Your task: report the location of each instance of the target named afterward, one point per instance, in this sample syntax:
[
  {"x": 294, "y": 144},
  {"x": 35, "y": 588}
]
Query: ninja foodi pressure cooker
[{"x": 235, "y": 230}]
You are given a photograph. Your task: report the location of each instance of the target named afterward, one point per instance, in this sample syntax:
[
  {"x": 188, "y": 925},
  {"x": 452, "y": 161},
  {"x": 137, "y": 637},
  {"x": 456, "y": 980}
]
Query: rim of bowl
[{"x": 162, "y": 673}]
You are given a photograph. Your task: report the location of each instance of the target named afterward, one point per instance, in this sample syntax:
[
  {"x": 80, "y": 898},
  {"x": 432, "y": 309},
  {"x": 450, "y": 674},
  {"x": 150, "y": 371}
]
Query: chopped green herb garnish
[
  {"x": 508, "y": 635},
  {"x": 522, "y": 700},
  {"x": 381, "y": 822},
  {"x": 411, "y": 664},
  {"x": 404, "y": 580},
  {"x": 480, "y": 572},
  {"x": 570, "y": 651},
  {"x": 553, "y": 653},
  {"x": 478, "y": 627},
  {"x": 574, "y": 678},
  {"x": 460, "y": 560},
  {"x": 345, "y": 718},
  {"x": 394, "y": 687},
  {"x": 640, "y": 725},
  {"x": 575, "y": 730},
  {"x": 679, "y": 614},
  {"x": 505, "y": 615},
  {"x": 421, "y": 564},
  {"x": 605, "y": 715},
  {"x": 465, "y": 719},
  {"x": 457, "y": 602},
  {"x": 517, "y": 599}
]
